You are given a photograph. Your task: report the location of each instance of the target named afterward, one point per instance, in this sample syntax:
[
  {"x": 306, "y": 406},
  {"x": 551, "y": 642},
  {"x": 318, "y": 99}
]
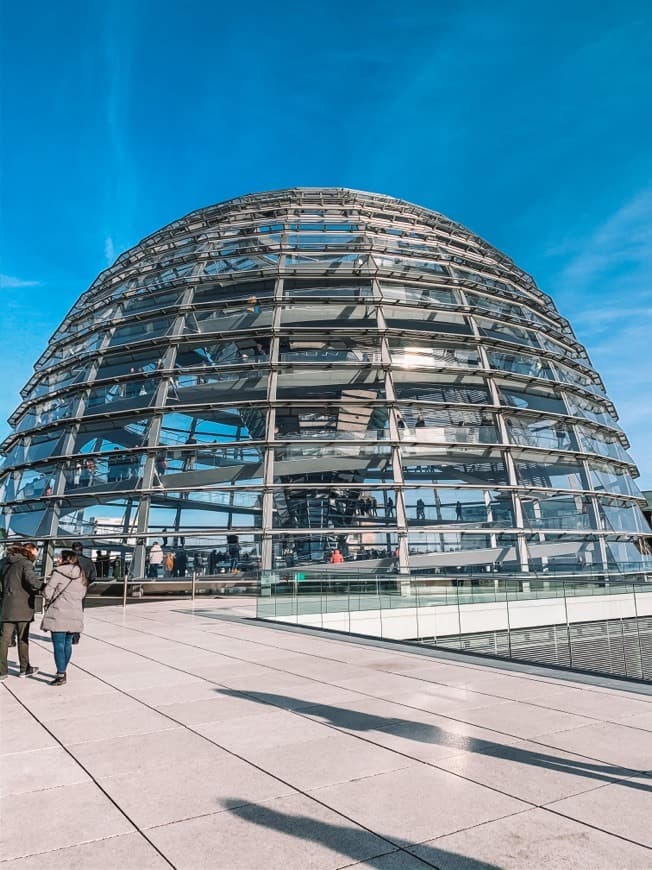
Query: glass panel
[
  {"x": 405, "y": 293},
  {"x": 325, "y": 508},
  {"x": 150, "y": 301},
  {"x": 357, "y": 551},
  {"x": 572, "y": 376},
  {"x": 549, "y": 433},
  {"x": 127, "y": 362},
  {"x": 40, "y": 447},
  {"x": 413, "y": 355},
  {"x": 225, "y": 294},
  {"x": 208, "y": 387},
  {"x": 603, "y": 443},
  {"x": 608, "y": 478},
  {"x": 110, "y": 518},
  {"x": 32, "y": 483},
  {"x": 314, "y": 349},
  {"x": 330, "y": 316},
  {"x": 246, "y": 349},
  {"x": 203, "y": 553},
  {"x": 545, "y": 511},
  {"x": 211, "y": 509},
  {"x": 117, "y": 470},
  {"x": 105, "y": 436},
  {"x": 114, "y": 397},
  {"x": 325, "y": 289},
  {"x": 141, "y": 330},
  {"x": 520, "y": 364},
  {"x": 76, "y": 325},
  {"x": 355, "y": 386},
  {"x": 365, "y": 463},
  {"x": 43, "y": 413},
  {"x": 318, "y": 263},
  {"x": 560, "y": 552},
  {"x": 489, "y": 509},
  {"x": 26, "y": 522},
  {"x": 556, "y": 475},
  {"x": 506, "y": 332},
  {"x": 500, "y": 306},
  {"x": 228, "y": 316},
  {"x": 627, "y": 553},
  {"x": 404, "y": 266},
  {"x": 348, "y": 422},
  {"x": 56, "y": 380},
  {"x": 440, "y": 425},
  {"x": 442, "y": 465},
  {"x": 621, "y": 516},
  {"x": 459, "y": 551},
  {"x": 535, "y": 399},
  {"x": 439, "y": 387},
  {"x": 429, "y": 320},
  {"x": 582, "y": 407},
  {"x": 192, "y": 466},
  {"x": 217, "y": 425}
]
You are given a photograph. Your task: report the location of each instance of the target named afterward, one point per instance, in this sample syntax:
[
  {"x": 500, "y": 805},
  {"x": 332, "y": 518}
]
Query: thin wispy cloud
[
  {"x": 11, "y": 282},
  {"x": 121, "y": 176},
  {"x": 109, "y": 250},
  {"x": 620, "y": 246},
  {"x": 605, "y": 279}
]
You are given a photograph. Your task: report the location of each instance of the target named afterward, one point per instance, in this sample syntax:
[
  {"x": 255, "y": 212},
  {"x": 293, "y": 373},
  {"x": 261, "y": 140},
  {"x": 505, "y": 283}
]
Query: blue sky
[{"x": 530, "y": 125}]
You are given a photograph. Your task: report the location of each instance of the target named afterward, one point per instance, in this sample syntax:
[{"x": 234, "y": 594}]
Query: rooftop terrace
[{"x": 189, "y": 736}]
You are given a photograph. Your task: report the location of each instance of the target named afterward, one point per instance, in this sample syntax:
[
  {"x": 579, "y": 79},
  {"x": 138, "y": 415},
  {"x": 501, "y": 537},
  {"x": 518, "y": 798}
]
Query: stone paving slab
[
  {"x": 226, "y": 743},
  {"x": 54, "y": 818},
  {"x": 293, "y": 833},
  {"x": 417, "y": 804},
  {"x": 126, "y": 852},
  {"x": 535, "y": 840}
]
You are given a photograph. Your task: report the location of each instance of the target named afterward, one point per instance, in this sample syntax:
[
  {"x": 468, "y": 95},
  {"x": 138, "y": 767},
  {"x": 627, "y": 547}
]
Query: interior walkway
[{"x": 199, "y": 739}]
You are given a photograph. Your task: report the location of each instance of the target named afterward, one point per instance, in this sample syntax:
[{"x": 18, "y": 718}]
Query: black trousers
[{"x": 22, "y": 631}]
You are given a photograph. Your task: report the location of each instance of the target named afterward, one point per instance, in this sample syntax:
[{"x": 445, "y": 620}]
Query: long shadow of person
[
  {"x": 423, "y": 732},
  {"x": 356, "y": 843}
]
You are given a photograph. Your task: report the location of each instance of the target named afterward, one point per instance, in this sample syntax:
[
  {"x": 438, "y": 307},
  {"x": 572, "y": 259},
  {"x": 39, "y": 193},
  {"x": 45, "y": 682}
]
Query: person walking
[
  {"x": 19, "y": 585},
  {"x": 88, "y": 567},
  {"x": 233, "y": 543},
  {"x": 156, "y": 557},
  {"x": 64, "y": 616}
]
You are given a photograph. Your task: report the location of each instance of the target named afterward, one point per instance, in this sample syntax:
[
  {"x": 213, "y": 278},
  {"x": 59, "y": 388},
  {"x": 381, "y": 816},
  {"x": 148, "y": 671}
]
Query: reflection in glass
[{"x": 323, "y": 379}]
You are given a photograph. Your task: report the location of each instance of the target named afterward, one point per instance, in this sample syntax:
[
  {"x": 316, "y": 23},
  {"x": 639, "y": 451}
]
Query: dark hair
[
  {"x": 77, "y": 547},
  {"x": 69, "y": 557}
]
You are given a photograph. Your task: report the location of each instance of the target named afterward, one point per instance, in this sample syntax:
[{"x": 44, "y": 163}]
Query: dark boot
[{"x": 59, "y": 680}]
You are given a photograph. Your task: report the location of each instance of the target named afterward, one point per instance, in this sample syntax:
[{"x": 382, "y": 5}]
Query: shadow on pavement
[
  {"x": 422, "y": 732},
  {"x": 353, "y": 841}
]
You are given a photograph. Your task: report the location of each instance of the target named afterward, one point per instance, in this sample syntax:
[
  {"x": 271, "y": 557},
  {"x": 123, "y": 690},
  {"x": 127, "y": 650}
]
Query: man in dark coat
[
  {"x": 88, "y": 567},
  {"x": 20, "y": 583}
]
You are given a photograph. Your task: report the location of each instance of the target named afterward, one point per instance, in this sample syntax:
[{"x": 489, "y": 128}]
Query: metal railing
[{"x": 596, "y": 621}]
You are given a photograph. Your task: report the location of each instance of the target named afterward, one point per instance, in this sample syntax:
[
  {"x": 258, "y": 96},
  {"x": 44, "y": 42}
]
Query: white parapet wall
[{"x": 443, "y": 620}]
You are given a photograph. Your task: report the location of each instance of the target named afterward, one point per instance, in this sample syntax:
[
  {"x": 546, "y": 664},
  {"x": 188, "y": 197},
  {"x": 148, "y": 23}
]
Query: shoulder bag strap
[{"x": 48, "y": 605}]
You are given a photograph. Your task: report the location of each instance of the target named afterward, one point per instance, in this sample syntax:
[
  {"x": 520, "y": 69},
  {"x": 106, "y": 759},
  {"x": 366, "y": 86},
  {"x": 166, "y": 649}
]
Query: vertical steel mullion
[{"x": 267, "y": 513}]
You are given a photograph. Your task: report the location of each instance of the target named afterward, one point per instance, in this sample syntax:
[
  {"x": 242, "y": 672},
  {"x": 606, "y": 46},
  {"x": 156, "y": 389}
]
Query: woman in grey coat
[{"x": 64, "y": 617}]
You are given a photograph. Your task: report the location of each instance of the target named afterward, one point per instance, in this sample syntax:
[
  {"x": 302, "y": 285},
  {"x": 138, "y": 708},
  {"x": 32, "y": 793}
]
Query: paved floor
[{"x": 203, "y": 740}]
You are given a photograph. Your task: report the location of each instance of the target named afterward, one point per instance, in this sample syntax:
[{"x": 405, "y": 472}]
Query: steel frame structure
[{"x": 312, "y": 370}]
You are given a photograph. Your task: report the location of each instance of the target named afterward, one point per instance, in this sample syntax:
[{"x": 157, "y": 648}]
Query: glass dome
[{"x": 322, "y": 375}]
